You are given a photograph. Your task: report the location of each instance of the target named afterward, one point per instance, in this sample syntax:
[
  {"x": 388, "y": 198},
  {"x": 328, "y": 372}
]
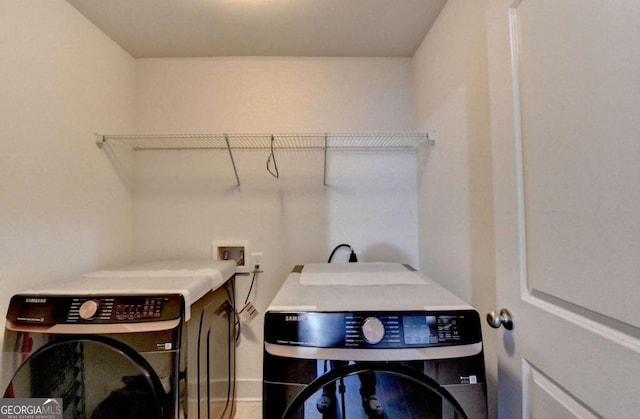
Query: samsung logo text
[{"x": 34, "y": 300}]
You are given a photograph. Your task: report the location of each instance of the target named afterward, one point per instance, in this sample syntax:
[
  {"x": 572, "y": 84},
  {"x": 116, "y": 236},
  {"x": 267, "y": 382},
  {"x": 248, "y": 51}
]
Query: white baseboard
[{"x": 249, "y": 390}]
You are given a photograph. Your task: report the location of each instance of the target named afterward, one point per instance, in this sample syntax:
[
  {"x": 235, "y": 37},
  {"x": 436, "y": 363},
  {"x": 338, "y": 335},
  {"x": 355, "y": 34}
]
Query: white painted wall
[
  {"x": 455, "y": 176},
  {"x": 63, "y": 208},
  {"x": 66, "y": 209},
  {"x": 185, "y": 200}
]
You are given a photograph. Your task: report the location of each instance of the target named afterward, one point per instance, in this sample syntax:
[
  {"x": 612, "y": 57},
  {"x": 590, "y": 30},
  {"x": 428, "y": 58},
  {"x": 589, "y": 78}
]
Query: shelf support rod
[
  {"x": 324, "y": 172},
  {"x": 233, "y": 162}
]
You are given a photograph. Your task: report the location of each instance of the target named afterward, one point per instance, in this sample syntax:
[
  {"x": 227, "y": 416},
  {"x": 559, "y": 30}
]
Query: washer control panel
[
  {"x": 97, "y": 309},
  {"x": 373, "y": 329}
]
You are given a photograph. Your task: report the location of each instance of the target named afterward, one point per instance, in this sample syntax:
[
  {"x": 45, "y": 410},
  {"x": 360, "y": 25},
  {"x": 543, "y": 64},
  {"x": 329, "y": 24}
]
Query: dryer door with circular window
[
  {"x": 97, "y": 378},
  {"x": 362, "y": 390}
]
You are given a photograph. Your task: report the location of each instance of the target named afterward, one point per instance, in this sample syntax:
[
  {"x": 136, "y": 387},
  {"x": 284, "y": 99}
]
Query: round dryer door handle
[{"x": 504, "y": 318}]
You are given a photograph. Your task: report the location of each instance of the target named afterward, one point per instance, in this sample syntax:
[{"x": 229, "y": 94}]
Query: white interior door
[{"x": 565, "y": 104}]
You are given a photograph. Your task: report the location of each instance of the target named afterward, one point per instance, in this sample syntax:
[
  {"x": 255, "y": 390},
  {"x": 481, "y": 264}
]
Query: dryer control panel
[
  {"x": 96, "y": 309},
  {"x": 373, "y": 329}
]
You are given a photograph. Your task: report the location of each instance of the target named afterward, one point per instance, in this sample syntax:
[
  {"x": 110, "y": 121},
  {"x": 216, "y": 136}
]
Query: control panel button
[
  {"x": 89, "y": 309},
  {"x": 372, "y": 330}
]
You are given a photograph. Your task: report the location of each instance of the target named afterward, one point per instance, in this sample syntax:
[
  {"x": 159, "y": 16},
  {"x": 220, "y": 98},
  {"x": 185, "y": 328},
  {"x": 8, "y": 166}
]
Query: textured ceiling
[{"x": 304, "y": 28}]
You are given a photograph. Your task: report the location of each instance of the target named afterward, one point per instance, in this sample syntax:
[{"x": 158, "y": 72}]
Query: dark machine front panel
[
  {"x": 451, "y": 387},
  {"x": 59, "y": 309},
  {"x": 386, "y": 330},
  {"x": 100, "y": 372}
]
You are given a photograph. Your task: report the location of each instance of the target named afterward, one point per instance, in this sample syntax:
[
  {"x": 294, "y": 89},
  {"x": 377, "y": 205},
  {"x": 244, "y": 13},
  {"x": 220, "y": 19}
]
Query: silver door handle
[{"x": 503, "y": 318}]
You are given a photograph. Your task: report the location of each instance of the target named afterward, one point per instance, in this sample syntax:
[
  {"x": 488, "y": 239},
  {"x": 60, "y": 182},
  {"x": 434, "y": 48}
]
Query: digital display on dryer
[
  {"x": 424, "y": 330},
  {"x": 419, "y": 330}
]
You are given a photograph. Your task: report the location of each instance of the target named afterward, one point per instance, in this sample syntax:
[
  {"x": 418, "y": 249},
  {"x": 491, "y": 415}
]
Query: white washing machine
[
  {"x": 361, "y": 340},
  {"x": 153, "y": 340}
]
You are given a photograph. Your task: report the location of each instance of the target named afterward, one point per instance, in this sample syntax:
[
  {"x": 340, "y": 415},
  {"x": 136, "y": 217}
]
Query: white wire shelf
[
  {"x": 397, "y": 141},
  {"x": 325, "y": 142}
]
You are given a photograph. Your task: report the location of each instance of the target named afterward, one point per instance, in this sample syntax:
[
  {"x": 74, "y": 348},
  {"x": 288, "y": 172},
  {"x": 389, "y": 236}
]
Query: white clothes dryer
[
  {"x": 358, "y": 340},
  {"x": 152, "y": 340}
]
